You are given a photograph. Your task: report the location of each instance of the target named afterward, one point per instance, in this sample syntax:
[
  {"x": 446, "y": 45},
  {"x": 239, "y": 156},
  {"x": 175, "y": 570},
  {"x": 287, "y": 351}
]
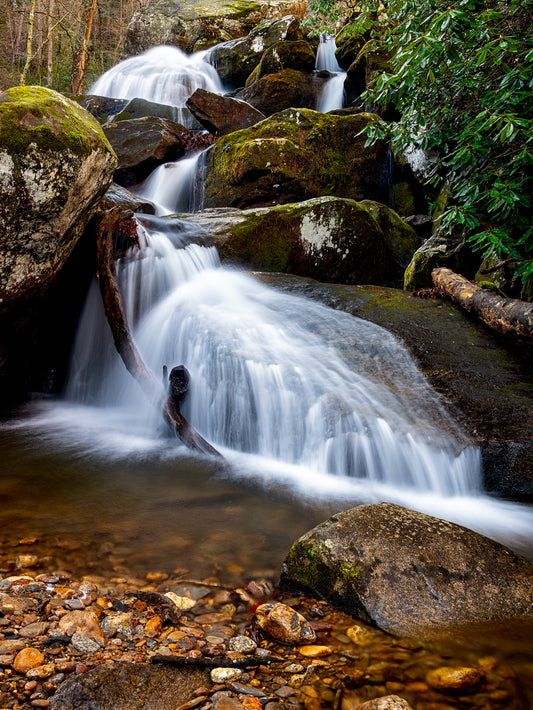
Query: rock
[
  {"x": 193, "y": 24},
  {"x": 294, "y": 155},
  {"x": 283, "y": 90},
  {"x": 42, "y": 672},
  {"x": 326, "y": 238},
  {"x": 348, "y": 44},
  {"x": 9, "y": 647},
  {"x": 101, "y": 107},
  {"x": 14, "y": 605},
  {"x": 128, "y": 686},
  {"x": 153, "y": 626},
  {"x": 455, "y": 680},
  {"x": 242, "y": 644},
  {"x": 297, "y": 55},
  {"x": 315, "y": 651},
  {"x": 85, "y": 644},
  {"x": 372, "y": 59},
  {"x": 409, "y": 573},
  {"x": 236, "y": 60},
  {"x": 31, "y": 631},
  {"x": 142, "y": 108},
  {"x": 284, "y": 624},
  {"x": 386, "y": 702},
  {"x": 119, "y": 624},
  {"x": 55, "y": 165},
  {"x": 223, "y": 675},
  {"x": 82, "y": 622},
  {"x": 183, "y": 603},
  {"x": 119, "y": 196},
  {"x": 401, "y": 239},
  {"x": 28, "y": 658},
  {"x": 144, "y": 143},
  {"x": 221, "y": 701},
  {"x": 222, "y": 114}
]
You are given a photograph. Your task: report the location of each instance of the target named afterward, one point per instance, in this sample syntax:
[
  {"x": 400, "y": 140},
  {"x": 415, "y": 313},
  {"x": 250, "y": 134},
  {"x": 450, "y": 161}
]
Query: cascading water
[
  {"x": 333, "y": 94},
  {"x": 165, "y": 75},
  {"x": 291, "y": 392}
]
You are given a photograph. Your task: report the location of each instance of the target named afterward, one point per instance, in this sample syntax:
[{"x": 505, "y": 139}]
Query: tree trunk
[
  {"x": 504, "y": 315},
  {"x": 109, "y": 225},
  {"x": 79, "y": 67},
  {"x": 50, "y": 52},
  {"x": 29, "y": 42}
]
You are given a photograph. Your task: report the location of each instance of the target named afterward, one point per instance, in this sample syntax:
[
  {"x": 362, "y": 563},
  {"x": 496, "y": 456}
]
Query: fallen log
[
  {"x": 109, "y": 226},
  {"x": 504, "y": 315}
]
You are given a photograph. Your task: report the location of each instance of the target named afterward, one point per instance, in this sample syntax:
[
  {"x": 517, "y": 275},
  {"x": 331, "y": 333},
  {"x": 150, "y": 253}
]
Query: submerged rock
[
  {"x": 194, "y": 23},
  {"x": 409, "y": 573},
  {"x": 295, "y": 155},
  {"x": 55, "y": 164},
  {"x": 284, "y": 624}
]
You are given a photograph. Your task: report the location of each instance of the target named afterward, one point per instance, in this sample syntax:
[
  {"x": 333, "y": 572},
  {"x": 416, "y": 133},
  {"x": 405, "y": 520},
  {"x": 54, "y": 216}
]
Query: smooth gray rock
[{"x": 409, "y": 573}]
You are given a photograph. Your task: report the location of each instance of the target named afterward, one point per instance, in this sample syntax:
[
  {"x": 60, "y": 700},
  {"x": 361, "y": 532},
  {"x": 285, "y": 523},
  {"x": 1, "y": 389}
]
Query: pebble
[
  {"x": 315, "y": 651},
  {"x": 28, "y": 658},
  {"x": 242, "y": 644},
  {"x": 223, "y": 675},
  {"x": 183, "y": 603},
  {"x": 38, "y": 628},
  {"x": 387, "y": 702},
  {"x": 42, "y": 672},
  {"x": 85, "y": 644},
  {"x": 464, "y": 680},
  {"x": 11, "y": 646},
  {"x": 120, "y": 623},
  {"x": 284, "y": 624},
  {"x": 82, "y": 622}
]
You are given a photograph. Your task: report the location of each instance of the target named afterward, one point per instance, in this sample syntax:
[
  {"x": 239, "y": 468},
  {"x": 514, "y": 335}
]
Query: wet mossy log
[
  {"x": 504, "y": 315},
  {"x": 119, "y": 225}
]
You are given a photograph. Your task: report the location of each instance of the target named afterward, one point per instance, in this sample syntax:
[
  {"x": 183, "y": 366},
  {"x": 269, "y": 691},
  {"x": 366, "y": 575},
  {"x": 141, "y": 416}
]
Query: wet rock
[
  {"x": 183, "y": 603},
  {"x": 56, "y": 165},
  {"x": 223, "y": 675},
  {"x": 283, "y": 89},
  {"x": 38, "y": 628},
  {"x": 120, "y": 624},
  {"x": 297, "y": 55},
  {"x": 119, "y": 196},
  {"x": 193, "y": 24},
  {"x": 314, "y": 651},
  {"x": 235, "y": 60},
  {"x": 128, "y": 686},
  {"x": 144, "y": 143},
  {"x": 242, "y": 644},
  {"x": 9, "y": 647},
  {"x": 372, "y": 60},
  {"x": 455, "y": 680},
  {"x": 284, "y": 624},
  {"x": 41, "y": 672},
  {"x": 84, "y": 644},
  {"x": 409, "y": 573},
  {"x": 28, "y": 658},
  {"x": 82, "y": 622},
  {"x": 222, "y": 114},
  {"x": 387, "y": 702},
  {"x": 9, "y": 604},
  {"x": 295, "y": 155},
  {"x": 221, "y": 701}
]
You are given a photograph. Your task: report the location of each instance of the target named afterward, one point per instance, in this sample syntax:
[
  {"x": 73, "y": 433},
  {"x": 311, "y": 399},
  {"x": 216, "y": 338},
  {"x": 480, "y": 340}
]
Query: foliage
[{"x": 462, "y": 78}]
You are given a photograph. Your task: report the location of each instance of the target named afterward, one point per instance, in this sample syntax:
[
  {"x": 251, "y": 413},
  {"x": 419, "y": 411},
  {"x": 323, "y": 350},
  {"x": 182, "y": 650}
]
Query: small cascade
[
  {"x": 333, "y": 95},
  {"x": 164, "y": 75},
  {"x": 174, "y": 187}
]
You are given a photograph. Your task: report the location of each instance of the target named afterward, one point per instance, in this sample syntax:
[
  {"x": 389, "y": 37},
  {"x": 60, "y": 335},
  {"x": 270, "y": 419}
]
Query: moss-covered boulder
[
  {"x": 195, "y": 23},
  {"x": 326, "y": 238},
  {"x": 441, "y": 249},
  {"x": 144, "y": 143},
  {"x": 407, "y": 572},
  {"x": 55, "y": 165},
  {"x": 295, "y": 155},
  {"x": 373, "y": 59},
  {"x": 235, "y": 60},
  {"x": 402, "y": 239},
  {"x": 284, "y": 89},
  {"x": 297, "y": 55},
  {"x": 349, "y": 44}
]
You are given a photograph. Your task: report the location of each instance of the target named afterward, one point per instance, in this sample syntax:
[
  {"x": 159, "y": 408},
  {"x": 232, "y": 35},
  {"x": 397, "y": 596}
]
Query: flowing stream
[
  {"x": 333, "y": 94},
  {"x": 313, "y": 409}
]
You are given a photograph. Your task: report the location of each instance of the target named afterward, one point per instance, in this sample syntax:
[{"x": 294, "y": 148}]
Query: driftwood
[
  {"x": 504, "y": 315},
  {"x": 110, "y": 225},
  {"x": 218, "y": 662}
]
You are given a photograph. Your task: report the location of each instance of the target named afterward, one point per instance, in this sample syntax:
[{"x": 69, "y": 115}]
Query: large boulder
[
  {"x": 327, "y": 238},
  {"x": 284, "y": 89},
  {"x": 235, "y": 60},
  {"x": 55, "y": 165},
  {"x": 193, "y": 23},
  {"x": 441, "y": 249},
  {"x": 372, "y": 60},
  {"x": 409, "y": 573},
  {"x": 284, "y": 55},
  {"x": 222, "y": 114},
  {"x": 144, "y": 143},
  {"x": 295, "y": 155}
]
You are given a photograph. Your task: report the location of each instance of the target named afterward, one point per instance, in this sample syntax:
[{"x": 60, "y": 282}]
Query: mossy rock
[
  {"x": 441, "y": 249},
  {"x": 236, "y": 60},
  {"x": 400, "y": 237},
  {"x": 56, "y": 163},
  {"x": 409, "y": 573},
  {"x": 348, "y": 47},
  {"x": 297, "y": 55},
  {"x": 275, "y": 92},
  {"x": 372, "y": 60},
  {"x": 295, "y": 155}
]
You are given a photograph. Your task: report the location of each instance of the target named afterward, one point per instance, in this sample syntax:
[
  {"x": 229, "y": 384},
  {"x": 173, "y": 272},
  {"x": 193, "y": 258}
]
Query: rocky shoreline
[{"x": 164, "y": 642}]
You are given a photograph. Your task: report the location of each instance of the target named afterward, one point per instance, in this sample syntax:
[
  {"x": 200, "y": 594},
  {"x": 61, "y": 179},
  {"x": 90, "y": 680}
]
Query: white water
[
  {"x": 294, "y": 394},
  {"x": 164, "y": 75},
  {"x": 333, "y": 95}
]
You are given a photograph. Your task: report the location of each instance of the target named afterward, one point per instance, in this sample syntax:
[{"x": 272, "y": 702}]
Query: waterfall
[
  {"x": 333, "y": 94},
  {"x": 165, "y": 75}
]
